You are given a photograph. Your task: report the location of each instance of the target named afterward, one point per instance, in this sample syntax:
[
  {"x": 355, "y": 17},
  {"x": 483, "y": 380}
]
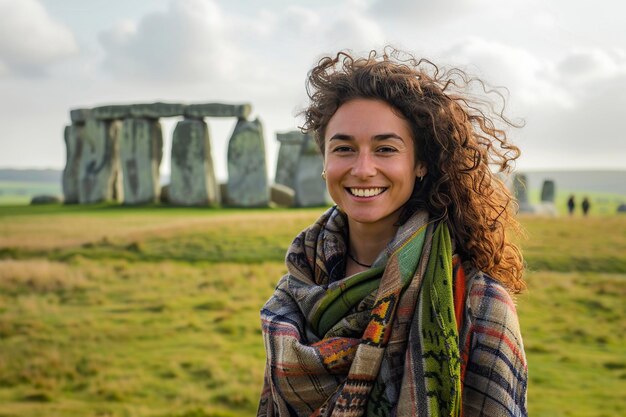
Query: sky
[{"x": 563, "y": 64}]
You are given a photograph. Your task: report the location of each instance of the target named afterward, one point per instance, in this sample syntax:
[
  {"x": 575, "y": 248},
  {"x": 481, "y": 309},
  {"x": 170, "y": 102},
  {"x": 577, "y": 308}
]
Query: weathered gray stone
[
  {"x": 548, "y": 191},
  {"x": 99, "y": 175},
  {"x": 247, "y": 172},
  {"x": 45, "y": 199},
  {"x": 547, "y": 207},
  {"x": 310, "y": 187},
  {"x": 294, "y": 137},
  {"x": 520, "y": 191},
  {"x": 157, "y": 110},
  {"x": 287, "y": 163},
  {"x": 164, "y": 196},
  {"x": 192, "y": 179},
  {"x": 223, "y": 191},
  {"x": 198, "y": 111},
  {"x": 74, "y": 136},
  {"x": 112, "y": 112},
  {"x": 141, "y": 151},
  {"x": 281, "y": 195},
  {"x": 80, "y": 116}
]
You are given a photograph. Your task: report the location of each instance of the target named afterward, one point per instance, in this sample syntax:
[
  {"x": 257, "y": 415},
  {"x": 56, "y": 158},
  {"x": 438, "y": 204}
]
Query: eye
[
  {"x": 342, "y": 149},
  {"x": 386, "y": 149}
]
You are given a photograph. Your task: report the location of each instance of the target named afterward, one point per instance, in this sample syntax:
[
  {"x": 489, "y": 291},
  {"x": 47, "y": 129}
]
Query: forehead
[{"x": 367, "y": 117}]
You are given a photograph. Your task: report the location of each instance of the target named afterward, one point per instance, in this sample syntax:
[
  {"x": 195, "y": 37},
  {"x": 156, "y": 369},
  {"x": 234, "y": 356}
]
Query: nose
[{"x": 364, "y": 166}]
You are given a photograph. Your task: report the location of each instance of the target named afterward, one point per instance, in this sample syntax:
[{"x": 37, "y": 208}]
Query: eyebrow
[{"x": 379, "y": 137}]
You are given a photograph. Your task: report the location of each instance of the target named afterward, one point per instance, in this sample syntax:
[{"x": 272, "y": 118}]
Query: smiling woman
[
  {"x": 370, "y": 172},
  {"x": 396, "y": 300}
]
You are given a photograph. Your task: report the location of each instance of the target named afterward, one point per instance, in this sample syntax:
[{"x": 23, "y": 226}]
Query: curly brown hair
[{"x": 457, "y": 134}]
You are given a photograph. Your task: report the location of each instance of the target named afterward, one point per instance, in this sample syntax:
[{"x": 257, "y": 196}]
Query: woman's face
[{"x": 370, "y": 162}]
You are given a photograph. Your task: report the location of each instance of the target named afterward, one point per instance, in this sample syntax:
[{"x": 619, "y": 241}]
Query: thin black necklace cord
[{"x": 357, "y": 262}]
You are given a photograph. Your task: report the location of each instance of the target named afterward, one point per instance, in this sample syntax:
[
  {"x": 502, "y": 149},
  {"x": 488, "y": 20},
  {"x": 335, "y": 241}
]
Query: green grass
[
  {"x": 573, "y": 326},
  {"x": 118, "y": 311}
]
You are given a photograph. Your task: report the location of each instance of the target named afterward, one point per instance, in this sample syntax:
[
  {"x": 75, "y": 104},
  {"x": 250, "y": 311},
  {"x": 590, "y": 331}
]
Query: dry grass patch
[
  {"x": 62, "y": 230},
  {"x": 38, "y": 276}
]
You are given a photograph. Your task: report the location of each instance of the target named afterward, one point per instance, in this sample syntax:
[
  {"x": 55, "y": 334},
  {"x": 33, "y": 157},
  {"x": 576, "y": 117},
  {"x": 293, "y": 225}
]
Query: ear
[{"x": 420, "y": 169}]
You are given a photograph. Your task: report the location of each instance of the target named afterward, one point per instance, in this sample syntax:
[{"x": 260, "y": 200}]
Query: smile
[{"x": 366, "y": 192}]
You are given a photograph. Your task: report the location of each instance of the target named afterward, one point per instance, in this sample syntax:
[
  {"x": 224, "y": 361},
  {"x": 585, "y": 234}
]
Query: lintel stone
[
  {"x": 80, "y": 116},
  {"x": 157, "y": 110},
  {"x": 198, "y": 111},
  {"x": 294, "y": 137},
  {"x": 112, "y": 112}
]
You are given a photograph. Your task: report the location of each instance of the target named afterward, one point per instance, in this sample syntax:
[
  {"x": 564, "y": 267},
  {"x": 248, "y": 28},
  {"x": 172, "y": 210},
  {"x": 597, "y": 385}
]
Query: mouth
[{"x": 366, "y": 192}]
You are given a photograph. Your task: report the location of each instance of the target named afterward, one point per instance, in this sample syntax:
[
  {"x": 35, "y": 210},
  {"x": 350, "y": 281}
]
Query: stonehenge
[{"x": 114, "y": 153}]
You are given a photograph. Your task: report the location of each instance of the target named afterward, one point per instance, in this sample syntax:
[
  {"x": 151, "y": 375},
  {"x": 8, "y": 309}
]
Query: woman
[{"x": 396, "y": 300}]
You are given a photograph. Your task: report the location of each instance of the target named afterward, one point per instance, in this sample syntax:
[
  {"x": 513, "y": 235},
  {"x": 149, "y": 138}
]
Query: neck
[{"x": 367, "y": 241}]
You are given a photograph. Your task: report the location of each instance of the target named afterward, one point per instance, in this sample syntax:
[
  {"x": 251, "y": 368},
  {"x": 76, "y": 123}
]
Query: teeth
[{"x": 366, "y": 192}]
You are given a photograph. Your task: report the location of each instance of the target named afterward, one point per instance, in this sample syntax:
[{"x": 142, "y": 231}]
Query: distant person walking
[
  {"x": 571, "y": 204},
  {"x": 586, "y": 205}
]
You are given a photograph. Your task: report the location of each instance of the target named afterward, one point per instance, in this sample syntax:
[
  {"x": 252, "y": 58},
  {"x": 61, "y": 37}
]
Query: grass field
[{"x": 116, "y": 311}]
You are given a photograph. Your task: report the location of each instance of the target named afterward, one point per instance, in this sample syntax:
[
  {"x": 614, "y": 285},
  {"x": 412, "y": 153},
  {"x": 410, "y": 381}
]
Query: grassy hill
[
  {"x": 31, "y": 175},
  {"x": 113, "y": 311},
  {"x": 18, "y": 186}
]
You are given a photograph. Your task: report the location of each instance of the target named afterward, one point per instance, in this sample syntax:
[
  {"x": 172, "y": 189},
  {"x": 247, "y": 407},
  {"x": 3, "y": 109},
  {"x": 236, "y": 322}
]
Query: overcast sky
[{"x": 563, "y": 62}]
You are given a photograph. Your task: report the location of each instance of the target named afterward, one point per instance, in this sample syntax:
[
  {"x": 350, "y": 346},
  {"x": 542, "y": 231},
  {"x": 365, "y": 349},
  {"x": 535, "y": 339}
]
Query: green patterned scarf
[{"x": 381, "y": 342}]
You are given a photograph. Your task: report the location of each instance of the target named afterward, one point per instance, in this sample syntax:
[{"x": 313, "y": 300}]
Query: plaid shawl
[{"x": 381, "y": 342}]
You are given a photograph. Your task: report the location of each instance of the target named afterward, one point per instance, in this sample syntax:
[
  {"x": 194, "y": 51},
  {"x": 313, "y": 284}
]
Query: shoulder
[
  {"x": 493, "y": 316},
  {"x": 496, "y": 372},
  {"x": 488, "y": 299}
]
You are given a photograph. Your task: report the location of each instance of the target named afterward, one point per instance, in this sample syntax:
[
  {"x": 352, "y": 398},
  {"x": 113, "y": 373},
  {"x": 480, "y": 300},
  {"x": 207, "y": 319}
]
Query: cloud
[
  {"x": 520, "y": 71},
  {"x": 188, "y": 42},
  {"x": 30, "y": 40},
  {"x": 589, "y": 65},
  {"x": 430, "y": 12},
  {"x": 568, "y": 100},
  {"x": 588, "y": 134},
  {"x": 355, "y": 31}
]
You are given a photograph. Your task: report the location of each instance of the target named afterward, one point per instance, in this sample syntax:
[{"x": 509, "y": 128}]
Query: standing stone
[
  {"x": 309, "y": 186},
  {"x": 74, "y": 136},
  {"x": 99, "y": 175},
  {"x": 520, "y": 191},
  {"x": 141, "y": 151},
  {"x": 287, "y": 164},
  {"x": 548, "y": 191},
  {"x": 192, "y": 179},
  {"x": 247, "y": 174},
  {"x": 547, "y": 206}
]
